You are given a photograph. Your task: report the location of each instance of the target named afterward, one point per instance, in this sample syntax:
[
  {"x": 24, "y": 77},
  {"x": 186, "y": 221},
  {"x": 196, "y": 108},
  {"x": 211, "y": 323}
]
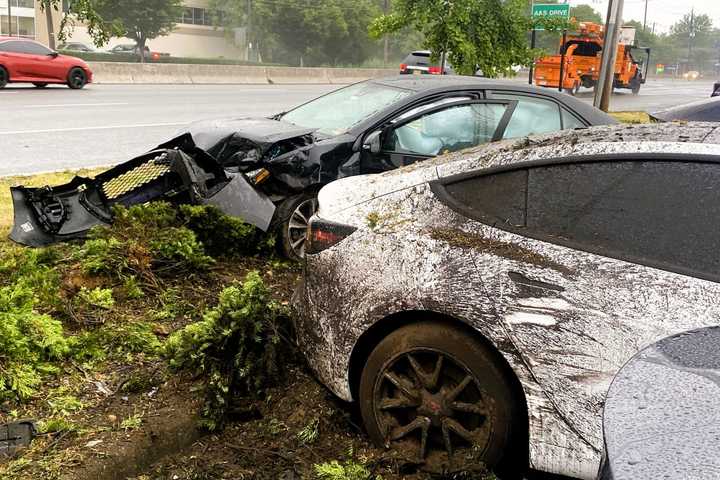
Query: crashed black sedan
[{"x": 268, "y": 171}]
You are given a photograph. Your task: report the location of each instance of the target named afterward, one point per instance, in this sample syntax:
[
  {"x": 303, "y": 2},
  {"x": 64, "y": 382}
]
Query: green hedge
[{"x": 131, "y": 58}]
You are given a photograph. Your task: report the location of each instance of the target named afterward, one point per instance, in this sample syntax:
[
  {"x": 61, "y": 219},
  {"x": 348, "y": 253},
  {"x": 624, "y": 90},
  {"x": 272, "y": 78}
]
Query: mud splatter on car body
[{"x": 565, "y": 320}]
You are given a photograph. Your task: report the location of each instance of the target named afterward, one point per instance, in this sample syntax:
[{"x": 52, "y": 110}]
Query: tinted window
[
  {"x": 532, "y": 115},
  {"x": 658, "y": 213},
  {"x": 448, "y": 130},
  {"x": 570, "y": 121},
  {"x": 25, "y": 47}
]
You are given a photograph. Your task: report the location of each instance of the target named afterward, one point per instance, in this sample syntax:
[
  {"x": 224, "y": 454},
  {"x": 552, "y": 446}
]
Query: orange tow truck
[{"x": 578, "y": 63}]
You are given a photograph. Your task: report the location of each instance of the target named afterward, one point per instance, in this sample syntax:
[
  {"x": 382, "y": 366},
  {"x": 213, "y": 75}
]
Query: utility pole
[
  {"x": 248, "y": 30},
  {"x": 50, "y": 25},
  {"x": 386, "y": 46},
  {"x": 605, "y": 84},
  {"x": 691, "y": 37},
  {"x": 9, "y": 19},
  {"x": 645, "y": 17}
]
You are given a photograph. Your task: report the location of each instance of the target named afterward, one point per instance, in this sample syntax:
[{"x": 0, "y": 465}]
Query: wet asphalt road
[{"x": 58, "y": 129}]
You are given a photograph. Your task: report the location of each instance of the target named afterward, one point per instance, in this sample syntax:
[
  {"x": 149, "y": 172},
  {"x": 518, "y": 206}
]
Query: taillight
[
  {"x": 323, "y": 235},
  {"x": 434, "y": 70},
  {"x": 403, "y": 67}
]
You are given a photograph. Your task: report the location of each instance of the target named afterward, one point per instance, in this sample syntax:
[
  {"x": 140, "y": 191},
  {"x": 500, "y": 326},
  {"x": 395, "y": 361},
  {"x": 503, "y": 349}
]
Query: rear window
[{"x": 417, "y": 58}]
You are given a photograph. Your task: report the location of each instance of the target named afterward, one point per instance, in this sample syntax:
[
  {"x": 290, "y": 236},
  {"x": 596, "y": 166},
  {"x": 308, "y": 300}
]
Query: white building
[{"x": 194, "y": 34}]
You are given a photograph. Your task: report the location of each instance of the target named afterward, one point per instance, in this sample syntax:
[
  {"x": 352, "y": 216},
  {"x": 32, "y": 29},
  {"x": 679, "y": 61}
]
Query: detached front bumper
[{"x": 53, "y": 214}]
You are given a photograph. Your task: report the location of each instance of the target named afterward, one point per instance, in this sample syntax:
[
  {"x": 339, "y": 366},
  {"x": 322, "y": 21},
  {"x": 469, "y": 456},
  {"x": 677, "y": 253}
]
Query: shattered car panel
[
  {"x": 565, "y": 320},
  {"x": 50, "y": 214},
  {"x": 661, "y": 418},
  {"x": 248, "y": 166},
  {"x": 15, "y": 436}
]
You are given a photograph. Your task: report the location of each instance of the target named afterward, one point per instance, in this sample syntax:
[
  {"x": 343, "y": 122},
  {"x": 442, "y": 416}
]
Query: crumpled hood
[{"x": 264, "y": 132}]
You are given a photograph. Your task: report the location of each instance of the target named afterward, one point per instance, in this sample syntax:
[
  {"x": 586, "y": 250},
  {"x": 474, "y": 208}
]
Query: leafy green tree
[
  {"x": 140, "y": 20},
  {"x": 487, "y": 34},
  {"x": 330, "y": 32},
  {"x": 85, "y": 13},
  {"x": 585, "y": 13},
  {"x": 693, "y": 39}
]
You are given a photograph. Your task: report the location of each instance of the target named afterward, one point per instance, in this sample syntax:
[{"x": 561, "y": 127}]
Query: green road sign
[{"x": 550, "y": 10}]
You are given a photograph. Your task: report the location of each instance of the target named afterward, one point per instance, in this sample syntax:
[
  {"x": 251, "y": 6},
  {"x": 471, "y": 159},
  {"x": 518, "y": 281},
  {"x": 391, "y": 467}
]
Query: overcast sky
[{"x": 663, "y": 12}]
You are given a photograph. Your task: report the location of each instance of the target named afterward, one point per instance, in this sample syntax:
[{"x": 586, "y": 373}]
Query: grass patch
[{"x": 632, "y": 117}]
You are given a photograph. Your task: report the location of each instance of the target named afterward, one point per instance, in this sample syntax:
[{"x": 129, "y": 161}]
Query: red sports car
[{"x": 23, "y": 60}]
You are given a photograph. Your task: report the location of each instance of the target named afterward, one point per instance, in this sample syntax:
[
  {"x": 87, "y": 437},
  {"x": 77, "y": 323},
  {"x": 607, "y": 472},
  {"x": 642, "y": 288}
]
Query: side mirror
[
  {"x": 54, "y": 54},
  {"x": 372, "y": 142}
]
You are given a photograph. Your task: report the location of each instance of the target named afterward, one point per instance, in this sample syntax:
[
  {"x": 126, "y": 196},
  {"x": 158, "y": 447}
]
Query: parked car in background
[
  {"x": 477, "y": 306},
  {"x": 132, "y": 49},
  {"x": 76, "y": 47},
  {"x": 369, "y": 127},
  {"x": 27, "y": 61},
  {"x": 716, "y": 90},
  {"x": 660, "y": 418},
  {"x": 419, "y": 62}
]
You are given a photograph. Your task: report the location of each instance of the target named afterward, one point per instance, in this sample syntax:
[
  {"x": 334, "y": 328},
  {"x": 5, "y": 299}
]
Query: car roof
[{"x": 425, "y": 83}]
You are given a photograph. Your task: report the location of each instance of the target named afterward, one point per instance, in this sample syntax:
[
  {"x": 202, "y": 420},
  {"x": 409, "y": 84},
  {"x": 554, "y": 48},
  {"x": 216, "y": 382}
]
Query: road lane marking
[
  {"x": 75, "y": 105},
  {"x": 80, "y": 129}
]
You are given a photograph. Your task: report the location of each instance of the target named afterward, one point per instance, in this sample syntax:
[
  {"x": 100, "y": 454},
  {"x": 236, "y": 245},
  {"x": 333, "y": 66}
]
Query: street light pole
[
  {"x": 604, "y": 87},
  {"x": 645, "y": 17},
  {"x": 9, "y": 19}
]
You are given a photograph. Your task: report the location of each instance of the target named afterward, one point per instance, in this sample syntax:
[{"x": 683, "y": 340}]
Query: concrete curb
[{"x": 182, "y": 74}]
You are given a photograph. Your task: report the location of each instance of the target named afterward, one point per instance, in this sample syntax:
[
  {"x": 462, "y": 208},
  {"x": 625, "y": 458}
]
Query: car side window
[
  {"x": 532, "y": 115},
  {"x": 447, "y": 130},
  {"x": 25, "y": 47},
  {"x": 427, "y": 106},
  {"x": 570, "y": 121},
  {"x": 656, "y": 213}
]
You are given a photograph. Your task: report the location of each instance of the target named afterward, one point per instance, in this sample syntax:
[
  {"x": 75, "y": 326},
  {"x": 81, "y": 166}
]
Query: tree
[
  {"x": 693, "y": 34},
  {"x": 320, "y": 32},
  {"x": 585, "y": 13},
  {"x": 490, "y": 35},
  {"x": 140, "y": 20},
  {"x": 84, "y": 12}
]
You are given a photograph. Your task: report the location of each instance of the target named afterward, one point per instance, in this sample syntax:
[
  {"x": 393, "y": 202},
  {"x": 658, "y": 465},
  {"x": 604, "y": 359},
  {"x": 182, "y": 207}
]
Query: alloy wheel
[
  {"x": 429, "y": 403},
  {"x": 297, "y": 226}
]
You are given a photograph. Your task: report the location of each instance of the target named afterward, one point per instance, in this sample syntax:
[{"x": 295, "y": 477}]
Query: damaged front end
[{"x": 177, "y": 171}]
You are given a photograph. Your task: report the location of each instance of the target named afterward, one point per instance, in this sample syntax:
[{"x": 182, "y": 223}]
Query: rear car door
[
  {"x": 594, "y": 259},
  {"x": 536, "y": 114},
  {"x": 444, "y": 128}
]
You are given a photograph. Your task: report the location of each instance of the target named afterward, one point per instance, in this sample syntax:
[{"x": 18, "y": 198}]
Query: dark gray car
[{"x": 268, "y": 170}]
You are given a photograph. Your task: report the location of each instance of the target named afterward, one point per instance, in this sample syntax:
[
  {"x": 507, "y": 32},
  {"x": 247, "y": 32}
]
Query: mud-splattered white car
[{"x": 479, "y": 305}]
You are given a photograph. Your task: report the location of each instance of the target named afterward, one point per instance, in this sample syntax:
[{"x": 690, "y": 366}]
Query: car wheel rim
[
  {"x": 431, "y": 406},
  {"x": 297, "y": 226},
  {"x": 3, "y": 76},
  {"x": 78, "y": 79}
]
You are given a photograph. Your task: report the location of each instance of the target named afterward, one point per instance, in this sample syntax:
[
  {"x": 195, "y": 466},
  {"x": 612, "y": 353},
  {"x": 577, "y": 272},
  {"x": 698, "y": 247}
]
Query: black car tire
[
  {"x": 635, "y": 84},
  {"x": 463, "y": 357},
  {"x": 76, "y": 78},
  {"x": 40, "y": 84},
  {"x": 4, "y": 77},
  {"x": 291, "y": 218}
]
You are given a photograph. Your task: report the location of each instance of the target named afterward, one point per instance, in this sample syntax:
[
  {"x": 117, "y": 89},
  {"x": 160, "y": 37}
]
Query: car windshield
[{"x": 338, "y": 111}]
